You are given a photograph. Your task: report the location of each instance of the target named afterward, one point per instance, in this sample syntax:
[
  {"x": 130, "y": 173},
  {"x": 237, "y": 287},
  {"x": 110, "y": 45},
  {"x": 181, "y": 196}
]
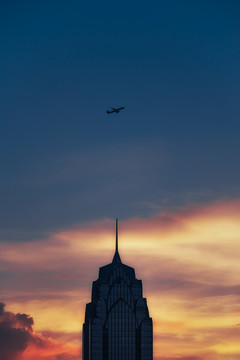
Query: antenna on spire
[
  {"x": 116, "y": 250},
  {"x": 116, "y": 258}
]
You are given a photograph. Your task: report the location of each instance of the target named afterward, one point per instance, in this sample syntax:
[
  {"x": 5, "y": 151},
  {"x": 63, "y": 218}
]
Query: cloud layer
[{"x": 188, "y": 260}]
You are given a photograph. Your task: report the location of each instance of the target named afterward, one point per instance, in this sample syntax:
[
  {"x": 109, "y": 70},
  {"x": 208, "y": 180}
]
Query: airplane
[{"x": 114, "y": 110}]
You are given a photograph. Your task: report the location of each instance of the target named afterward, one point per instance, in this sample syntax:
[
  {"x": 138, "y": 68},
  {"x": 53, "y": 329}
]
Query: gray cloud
[
  {"x": 15, "y": 333},
  {"x": 123, "y": 179},
  {"x": 194, "y": 289}
]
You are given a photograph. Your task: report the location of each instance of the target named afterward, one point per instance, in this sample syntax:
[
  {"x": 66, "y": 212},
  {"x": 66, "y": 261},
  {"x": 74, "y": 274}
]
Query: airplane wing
[
  {"x": 121, "y": 108},
  {"x": 110, "y": 112}
]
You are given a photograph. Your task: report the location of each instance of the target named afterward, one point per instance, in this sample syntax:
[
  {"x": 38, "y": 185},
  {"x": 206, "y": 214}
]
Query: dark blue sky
[{"x": 174, "y": 65}]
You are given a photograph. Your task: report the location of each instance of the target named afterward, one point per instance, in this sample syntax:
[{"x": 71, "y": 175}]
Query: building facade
[{"x": 117, "y": 324}]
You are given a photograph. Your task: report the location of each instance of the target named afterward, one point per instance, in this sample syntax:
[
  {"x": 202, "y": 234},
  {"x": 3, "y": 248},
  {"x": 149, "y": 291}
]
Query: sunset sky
[{"x": 167, "y": 166}]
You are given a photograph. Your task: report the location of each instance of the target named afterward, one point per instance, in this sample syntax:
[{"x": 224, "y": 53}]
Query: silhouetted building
[{"x": 117, "y": 323}]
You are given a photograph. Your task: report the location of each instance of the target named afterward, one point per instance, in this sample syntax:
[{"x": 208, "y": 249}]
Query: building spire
[
  {"x": 116, "y": 258},
  {"x": 116, "y": 249}
]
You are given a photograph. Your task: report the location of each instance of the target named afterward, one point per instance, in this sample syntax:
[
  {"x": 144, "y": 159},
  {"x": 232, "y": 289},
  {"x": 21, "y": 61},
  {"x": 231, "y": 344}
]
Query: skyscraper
[{"x": 117, "y": 323}]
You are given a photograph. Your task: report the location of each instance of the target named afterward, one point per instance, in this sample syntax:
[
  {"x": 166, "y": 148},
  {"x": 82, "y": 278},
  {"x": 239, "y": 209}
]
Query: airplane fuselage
[{"x": 115, "y": 110}]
